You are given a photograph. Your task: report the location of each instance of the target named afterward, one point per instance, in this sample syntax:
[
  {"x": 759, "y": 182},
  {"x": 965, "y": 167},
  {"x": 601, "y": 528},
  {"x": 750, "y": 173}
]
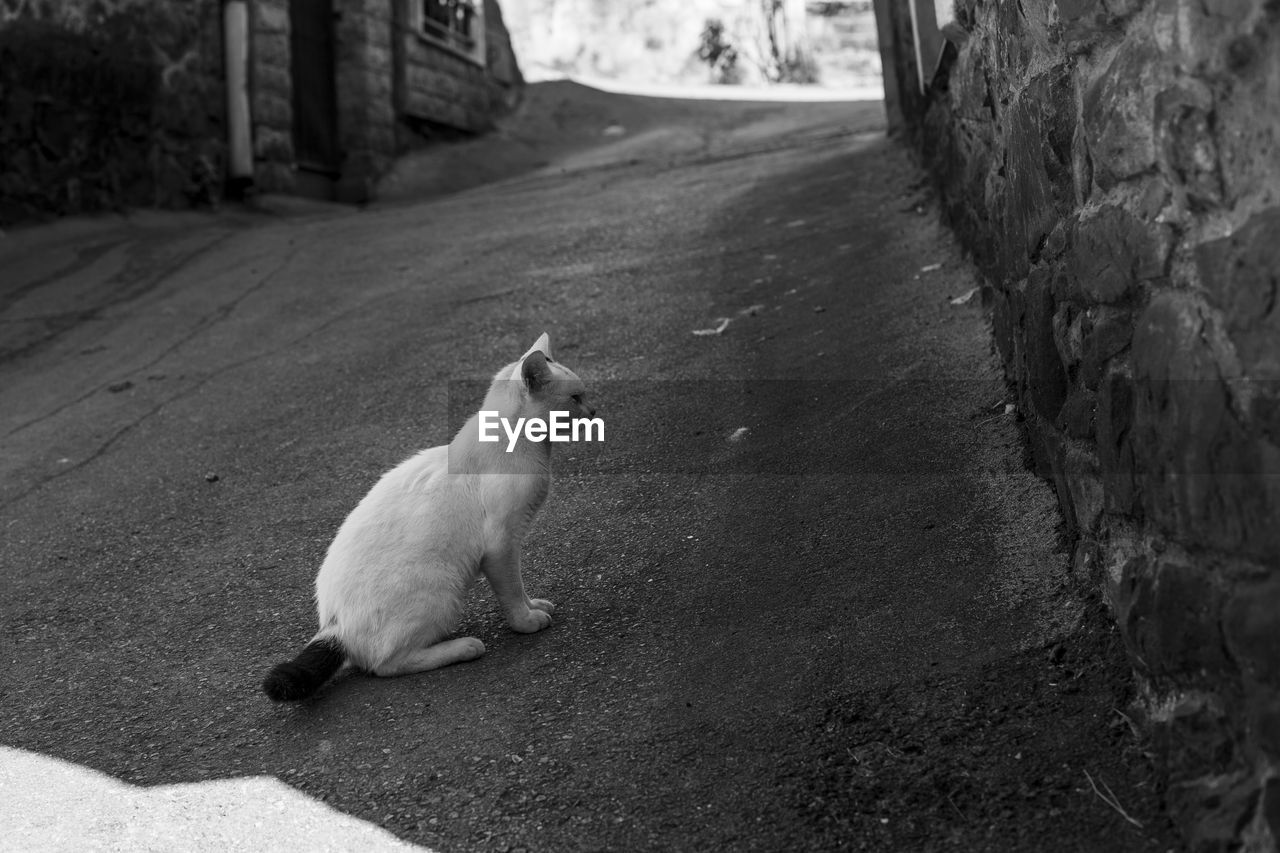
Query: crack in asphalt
[
  {"x": 85, "y": 257},
  {"x": 209, "y": 321},
  {"x": 202, "y": 325},
  {"x": 130, "y": 273}
]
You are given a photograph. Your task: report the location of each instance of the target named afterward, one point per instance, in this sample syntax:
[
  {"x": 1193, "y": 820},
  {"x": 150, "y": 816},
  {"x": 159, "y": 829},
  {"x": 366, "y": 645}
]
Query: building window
[{"x": 455, "y": 24}]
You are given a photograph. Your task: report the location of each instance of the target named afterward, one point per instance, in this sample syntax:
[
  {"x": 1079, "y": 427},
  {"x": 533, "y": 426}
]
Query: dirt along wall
[
  {"x": 107, "y": 104},
  {"x": 1114, "y": 168}
]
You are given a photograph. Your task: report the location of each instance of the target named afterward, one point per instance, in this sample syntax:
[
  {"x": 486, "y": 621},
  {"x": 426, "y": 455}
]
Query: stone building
[
  {"x": 1112, "y": 167},
  {"x": 171, "y": 103},
  {"x": 338, "y": 87}
]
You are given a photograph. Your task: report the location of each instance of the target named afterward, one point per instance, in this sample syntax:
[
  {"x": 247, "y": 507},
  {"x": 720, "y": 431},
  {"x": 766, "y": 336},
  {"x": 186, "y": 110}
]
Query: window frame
[{"x": 449, "y": 40}]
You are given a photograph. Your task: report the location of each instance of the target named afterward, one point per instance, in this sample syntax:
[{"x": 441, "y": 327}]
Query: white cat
[{"x": 392, "y": 584}]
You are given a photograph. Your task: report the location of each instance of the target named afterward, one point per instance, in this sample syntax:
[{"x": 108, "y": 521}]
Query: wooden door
[{"x": 315, "y": 95}]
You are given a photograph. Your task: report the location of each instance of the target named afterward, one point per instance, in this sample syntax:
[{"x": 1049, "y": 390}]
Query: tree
[
  {"x": 719, "y": 53},
  {"x": 784, "y": 57}
]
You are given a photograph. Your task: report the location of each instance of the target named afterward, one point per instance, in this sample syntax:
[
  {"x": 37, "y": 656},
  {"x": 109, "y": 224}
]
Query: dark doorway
[{"x": 315, "y": 96}]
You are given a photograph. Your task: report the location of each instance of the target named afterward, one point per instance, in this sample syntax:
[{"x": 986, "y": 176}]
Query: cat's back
[
  {"x": 418, "y": 499},
  {"x": 421, "y": 481}
]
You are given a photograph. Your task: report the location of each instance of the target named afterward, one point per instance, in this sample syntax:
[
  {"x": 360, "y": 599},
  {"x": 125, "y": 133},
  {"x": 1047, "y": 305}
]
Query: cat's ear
[
  {"x": 542, "y": 345},
  {"x": 535, "y": 371}
]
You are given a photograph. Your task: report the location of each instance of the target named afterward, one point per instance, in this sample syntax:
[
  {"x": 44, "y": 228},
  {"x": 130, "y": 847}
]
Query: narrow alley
[{"x": 808, "y": 595}]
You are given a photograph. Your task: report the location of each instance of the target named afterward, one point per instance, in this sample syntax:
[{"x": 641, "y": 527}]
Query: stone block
[
  {"x": 1084, "y": 563},
  {"x": 1131, "y": 591},
  {"x": 1005, "y": 323},
  {"x": 379, "y": 61},
  {"x": 1081, "y": 167},
  {"x": 1154, "y": 199},
  {"x": 1012, "y": 45},
  {"x": 374, "y": 138},
  {"x": 993, "y": 206},
  {"x": 354, "y": 103},
  {"x": 500, "y": 58},
  {"x": 1197, "y": 739},
  {"x": 1083, "y": 23},
  {"x": 271, "y": 49},
  {"x": 1264, "y": 413},
  {"x": 1076, "y": 419},
  {"x": 1204, "y": 477},
  {"x": 1182, "y": 636},
  {"x": 1114, "y": 428},
  {"x": 1063, "y": 286},
  {"x": 271, "y": 16},
  {"x": 273, "y": 146},
  {"x": 1058, "y": 241},
  {"x": 1046, "y": 376},
  {"x": 966, "y": 162},
  {"x": 272, "y": 81},
  {"x": 379, "y": 91},
  {"x": 1112, "y": 250},
  {"x": 1239, "y": 274},
  {"x": 1167, "y": 342},
  {"x": 272, "y": 112},
  {"x": 1107, "y": 334},
  {"x": 1180, "y": 406},
  {"x": 1252, "y": 626},
  {"x": 380, "y": 14},
  {"x": 1117, "y": 111},
  {"x": 1188, "y": 150},
  {"x": 1235, "y": 505},
  {"x": 1205, "y": 33},
  {"x": 1068, "y": 331},
  {"x": 1245, "y": 127},
  {"x": 1101, "y": 12},
  {"x": 1270, "y": 810},
  {"x": 1263, "y": 710},
  {"x": 440, "y": 96},
  {"x": 1080, "y": 472},
  {"x": 1039, "y": 186},
  {"x": 1213, "y": 809}
]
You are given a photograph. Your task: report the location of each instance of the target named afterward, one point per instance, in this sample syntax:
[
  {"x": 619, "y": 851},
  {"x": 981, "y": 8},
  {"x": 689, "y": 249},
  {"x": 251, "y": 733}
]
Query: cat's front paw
[
  {"x": 542, "y": 604},
  {"x": 529, "y": 621}
]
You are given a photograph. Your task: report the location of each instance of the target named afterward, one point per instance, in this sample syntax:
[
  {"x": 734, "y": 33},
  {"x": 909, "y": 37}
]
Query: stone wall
[
  {"x": 271, "y": 95},
  {"x": 366, "y": 104},
  {"x": 1114, "y": 168},
  {"x": 109, "y": 103},
  {"x": 391, "y": 85}
]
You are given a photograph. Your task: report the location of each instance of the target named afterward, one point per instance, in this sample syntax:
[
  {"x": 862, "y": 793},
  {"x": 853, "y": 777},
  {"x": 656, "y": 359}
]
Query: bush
[
  {"x": 718, "y": 53},
  {"x": 76, "y": 119}
]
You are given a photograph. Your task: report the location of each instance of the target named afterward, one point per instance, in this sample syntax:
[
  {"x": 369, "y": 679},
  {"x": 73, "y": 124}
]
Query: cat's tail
[{"x": 299, "y": 678}]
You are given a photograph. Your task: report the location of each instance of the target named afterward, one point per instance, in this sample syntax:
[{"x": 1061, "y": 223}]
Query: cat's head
[{"x": 547, "y": 385}]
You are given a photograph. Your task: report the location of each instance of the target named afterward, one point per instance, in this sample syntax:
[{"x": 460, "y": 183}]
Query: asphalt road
[{"x": 807, "y": 596}]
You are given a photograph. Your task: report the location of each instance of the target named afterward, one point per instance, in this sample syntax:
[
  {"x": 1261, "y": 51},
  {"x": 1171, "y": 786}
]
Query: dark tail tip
[{"x": 302, "y": 676}]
